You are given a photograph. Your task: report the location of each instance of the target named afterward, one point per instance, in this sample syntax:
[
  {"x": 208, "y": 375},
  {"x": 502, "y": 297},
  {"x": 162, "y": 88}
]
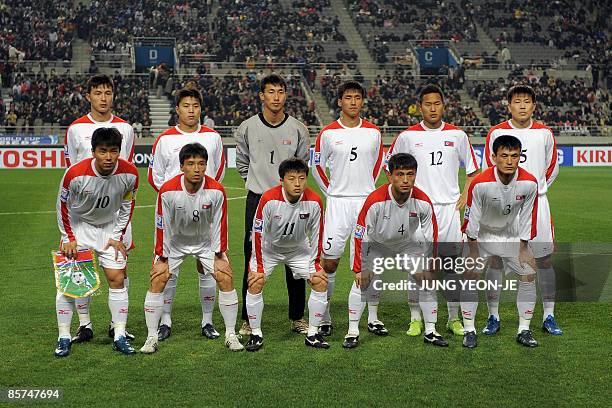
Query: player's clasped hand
[
  {"x": 119, "y": 248},
  {"x": 526, "y": 258},
  {"x": 69, "y": 249}
]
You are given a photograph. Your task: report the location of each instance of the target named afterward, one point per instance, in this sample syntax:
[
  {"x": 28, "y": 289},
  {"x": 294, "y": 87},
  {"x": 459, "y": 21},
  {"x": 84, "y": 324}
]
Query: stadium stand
[
  {"x": 36, "y": 30},
  {"x": 53, "y": 101}
]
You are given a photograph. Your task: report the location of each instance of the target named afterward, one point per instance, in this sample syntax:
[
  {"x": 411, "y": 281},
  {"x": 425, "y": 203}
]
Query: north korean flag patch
[
  {"x": 448, "y": 143},
  {"x": 520, "y": 197},
  {"x": 304, "y": 216},
  {"x": 286, "y": 142},
  {"x": 413, "y": 214},
  {"x": 206, "y": 206}
]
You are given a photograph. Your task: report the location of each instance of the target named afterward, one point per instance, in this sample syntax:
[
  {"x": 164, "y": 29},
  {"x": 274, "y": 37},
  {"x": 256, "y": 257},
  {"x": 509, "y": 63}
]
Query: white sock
[
  {"x": 372, "y": 312},
  {"x": 331, "y": 284},
  {"x": 494, "y": 275},
  {"x": 525, "y": 303},
  {"x": 169, "y": 292},
  {"x": 429, "y": 305},
  {"x": 317, "y": 302},
  {"x": 63, "y": 311},
  {"x": 547, "y": 283},
  {"x": 413, "y": 302},
  {"x": 255, "y": 306},
  {"x": 228, "y": 305},
  {"x": 82, "y": 308},
  {"x": 452, "y": 296},
  {"x": 356, "y": 305},
  {"x": 469, "y": 305},
  {"x": 118, "y": 305},
  {"x": 153, "y": 308},
  {"x": 208, "y": 292}
]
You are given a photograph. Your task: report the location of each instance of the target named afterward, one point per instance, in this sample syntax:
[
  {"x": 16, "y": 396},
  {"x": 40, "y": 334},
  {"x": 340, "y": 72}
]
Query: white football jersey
[
  {"x": 439, "y": 153},
  {"x": 353, "y": 156},
  {"x": 410, "y": 227},
  {"x": 77, "y": 144},
  {"x": 86, "y": 196},
  {"x": 538, "y": 151},
  {"x": 493, "y": 208},
  {"x": 281, "y": 226},
  {"x": 166, "y": 164},
  {"x": 190, "y": 223}
]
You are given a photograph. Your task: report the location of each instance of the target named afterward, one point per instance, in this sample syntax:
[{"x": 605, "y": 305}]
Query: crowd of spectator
[
  {"x": 559, "y": 103},
  {"x": 36, "y": 29},
  {"x": 578, "y": 27},
  {"x": 231, "y": 98},
  {"x": 392, "y": 99},
  {"x": 423, "y": 20},
  {"x": 48, "y": 99}
]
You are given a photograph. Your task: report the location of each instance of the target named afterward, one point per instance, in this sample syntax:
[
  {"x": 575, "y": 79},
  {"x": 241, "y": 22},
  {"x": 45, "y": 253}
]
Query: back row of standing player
[{"x": 351, "y": 150}]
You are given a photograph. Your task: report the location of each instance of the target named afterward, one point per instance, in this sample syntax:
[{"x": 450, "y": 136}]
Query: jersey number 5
[{"x": 353, "y": 154}]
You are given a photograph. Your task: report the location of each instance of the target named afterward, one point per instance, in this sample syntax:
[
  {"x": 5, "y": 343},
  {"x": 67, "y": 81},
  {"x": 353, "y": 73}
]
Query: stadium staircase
[
  {"x": 353, "y": 38},
  {"x": 159, "y": 112},
  {"x": 466, "y": 100},
  {"x": 486, "y": 42}
]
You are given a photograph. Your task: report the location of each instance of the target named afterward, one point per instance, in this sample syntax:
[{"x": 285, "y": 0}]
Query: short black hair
[
  {"x": 506, "y": 142},
  {"x": 402, "y": 161},
  {"x": 350, "y": 86},
  {"x": 99, "y": 80},
  {"x": 521, "y": 89},
  {"x": 109, "y": 136},
  {"x": 429, "y": 89},
  {"x": 187, "y": 92},
  {"x": 272, "y": 79},
  {"x": 292, "y": 164},
  {"x": 192, "y": 150}
]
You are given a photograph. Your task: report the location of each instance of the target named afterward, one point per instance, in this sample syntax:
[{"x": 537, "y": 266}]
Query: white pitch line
[{"x": 53, "y": 212}]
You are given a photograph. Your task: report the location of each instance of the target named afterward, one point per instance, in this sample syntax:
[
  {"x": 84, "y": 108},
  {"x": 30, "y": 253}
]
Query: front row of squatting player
[{"x": 96, "y": 202}]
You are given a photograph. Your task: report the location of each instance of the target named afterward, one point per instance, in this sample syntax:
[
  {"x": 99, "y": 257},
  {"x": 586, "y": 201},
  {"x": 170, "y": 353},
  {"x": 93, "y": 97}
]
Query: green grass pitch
[{"x": 189, "y": 370}]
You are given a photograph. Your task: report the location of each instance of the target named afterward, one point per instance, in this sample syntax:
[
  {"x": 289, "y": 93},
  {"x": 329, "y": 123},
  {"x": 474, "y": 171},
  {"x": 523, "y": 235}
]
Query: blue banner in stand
[
  {"x": 17, "y": 139},
  {"x": 147, "y": 56}
]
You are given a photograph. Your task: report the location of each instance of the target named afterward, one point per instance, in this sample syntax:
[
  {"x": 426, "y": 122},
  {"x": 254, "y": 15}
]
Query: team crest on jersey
[
  {"x": 359, "y": 230},
  {"x": 159, "y": 221},
  {"x": 64, "y": 195},
  {"x": 258, "y": 225},
  {"x": 466, "y": 214},
  {"x": 317, "y": 158},
  {"x": 286, "y": 142},
  {"x": 449, "y": 143},
  {"x": 304, "y": 216},
  {"x": 520, "y": 197},
  {"x": 206, "y": 206}
]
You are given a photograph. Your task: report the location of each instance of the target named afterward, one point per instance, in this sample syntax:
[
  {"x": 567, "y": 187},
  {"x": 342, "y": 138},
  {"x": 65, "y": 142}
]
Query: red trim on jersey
[
  {"x": 82, "y": 119},
  {"x": 379, "y": 195},
  {"x": 473, "y": 155},
  {"x": 448, "y": 126},
  {"x": 524, "y": 175},
  {"x": 212, "y": 184},
  {"x": 66, "y": 155},
  {"x": 369, "y": 125},
  {"x": 319, "y": 168},
  {"x": 127, "y": 167},
  {"x": 553, "y": 161},
  {"x": 159, "y": 232},
  {"x": 221, "y": 166},
  {"x": 419, "y": 194},
  {"x": 117, "y": 119},
  {"x": 376, "y": 170}
]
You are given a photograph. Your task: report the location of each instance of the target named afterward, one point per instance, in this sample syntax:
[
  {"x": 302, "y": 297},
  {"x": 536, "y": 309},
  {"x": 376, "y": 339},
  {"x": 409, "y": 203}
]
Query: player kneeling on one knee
[
  {"x": 191, "y": 220},
  {"x": 500, "y": 220},
  {"x": 393, "y": 221},
  {"x": 287, "y": 230}
]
